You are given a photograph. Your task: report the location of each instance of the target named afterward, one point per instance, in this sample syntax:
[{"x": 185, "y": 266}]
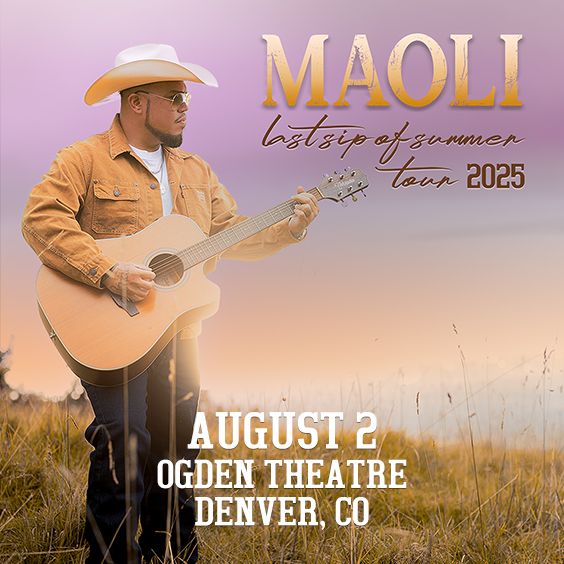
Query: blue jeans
[{"x": 130, "y": 433}]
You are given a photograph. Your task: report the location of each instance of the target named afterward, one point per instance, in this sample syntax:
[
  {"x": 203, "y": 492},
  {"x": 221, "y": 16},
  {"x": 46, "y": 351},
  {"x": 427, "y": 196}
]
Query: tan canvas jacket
[{"x": 99, "y": 188}]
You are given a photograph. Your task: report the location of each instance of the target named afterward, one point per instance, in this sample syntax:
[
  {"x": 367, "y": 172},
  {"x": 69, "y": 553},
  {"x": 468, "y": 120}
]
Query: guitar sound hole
[{"x": 168, "y": 269}]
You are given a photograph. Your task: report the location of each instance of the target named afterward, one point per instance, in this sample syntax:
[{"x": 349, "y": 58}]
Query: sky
[{"x": 383, "y": 294}]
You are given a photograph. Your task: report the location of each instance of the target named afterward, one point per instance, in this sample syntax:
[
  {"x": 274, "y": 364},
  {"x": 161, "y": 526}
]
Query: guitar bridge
[{"x": 125, "y": 304}]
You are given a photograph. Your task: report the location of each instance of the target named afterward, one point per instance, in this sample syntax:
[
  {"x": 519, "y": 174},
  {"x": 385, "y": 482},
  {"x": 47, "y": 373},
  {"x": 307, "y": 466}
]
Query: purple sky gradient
[{"x": 407, "y": 262}]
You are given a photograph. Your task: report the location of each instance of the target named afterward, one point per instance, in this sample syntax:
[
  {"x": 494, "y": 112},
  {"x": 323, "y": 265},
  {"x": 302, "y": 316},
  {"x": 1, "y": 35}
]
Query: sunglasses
[{"x": 175, "y": 102}]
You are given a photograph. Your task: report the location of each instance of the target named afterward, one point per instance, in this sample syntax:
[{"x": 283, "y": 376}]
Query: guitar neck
[{"x": 221, "y": 241}]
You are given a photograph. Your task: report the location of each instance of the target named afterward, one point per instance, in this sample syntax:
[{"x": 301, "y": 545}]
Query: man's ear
[{"x": 135, "y": 102}]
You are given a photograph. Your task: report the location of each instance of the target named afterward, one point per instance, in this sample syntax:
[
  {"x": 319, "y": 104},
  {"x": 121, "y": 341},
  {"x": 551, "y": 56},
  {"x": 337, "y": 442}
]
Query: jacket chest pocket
[
  {"x": 115, "y": 208},
  {"x": 196, "y": 204}
]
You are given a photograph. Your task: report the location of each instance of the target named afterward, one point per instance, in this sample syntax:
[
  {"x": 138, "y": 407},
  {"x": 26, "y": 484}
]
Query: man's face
[{"x": 163, "y": 120}]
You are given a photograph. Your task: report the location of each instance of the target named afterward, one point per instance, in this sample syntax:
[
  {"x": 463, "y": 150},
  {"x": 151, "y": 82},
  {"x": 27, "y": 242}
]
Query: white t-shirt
[{"x": 156, "y": 163}]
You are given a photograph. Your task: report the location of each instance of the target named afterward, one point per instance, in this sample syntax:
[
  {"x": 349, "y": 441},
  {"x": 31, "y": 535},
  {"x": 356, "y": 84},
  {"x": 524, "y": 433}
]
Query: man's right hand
[{"x": 133, "y": 281}]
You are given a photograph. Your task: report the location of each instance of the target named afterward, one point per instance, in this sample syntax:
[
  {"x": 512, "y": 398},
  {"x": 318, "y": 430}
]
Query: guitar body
[
  {"x": 107, "y": 340},
  {"x": 107, "y": 345}
]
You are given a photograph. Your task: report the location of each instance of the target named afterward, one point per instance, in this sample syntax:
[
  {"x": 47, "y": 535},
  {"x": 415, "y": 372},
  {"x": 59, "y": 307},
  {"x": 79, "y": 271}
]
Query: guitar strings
[
  {"x": 197, "y": 253},
  {"x": 222, "y": 234},
  {"x": 198, "y": 247},
  {"x": 166, "y": 265}
]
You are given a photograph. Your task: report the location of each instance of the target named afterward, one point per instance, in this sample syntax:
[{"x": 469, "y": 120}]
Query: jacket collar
[
  {"x": 119, "y": 144},
  {"x": 118, "y": 140}
]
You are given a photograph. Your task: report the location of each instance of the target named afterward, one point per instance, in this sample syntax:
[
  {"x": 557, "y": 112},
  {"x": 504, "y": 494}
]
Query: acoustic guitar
[{"x": 108, "y": 340}]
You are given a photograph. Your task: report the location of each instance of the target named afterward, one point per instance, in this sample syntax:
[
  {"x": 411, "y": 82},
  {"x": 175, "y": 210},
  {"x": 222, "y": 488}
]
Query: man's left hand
[{"x": 304, "y": 212}]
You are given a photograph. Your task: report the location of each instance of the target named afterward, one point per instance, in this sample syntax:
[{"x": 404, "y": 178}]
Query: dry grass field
[{"x": 463, "y": 503}]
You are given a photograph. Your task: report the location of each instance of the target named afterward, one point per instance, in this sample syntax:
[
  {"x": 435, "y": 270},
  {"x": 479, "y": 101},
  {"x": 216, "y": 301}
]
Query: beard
[{"x": 166, "y": 139}]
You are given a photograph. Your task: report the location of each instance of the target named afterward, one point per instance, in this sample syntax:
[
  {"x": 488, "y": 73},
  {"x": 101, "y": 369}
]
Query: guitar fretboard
[{"x": 221, "y": 241}]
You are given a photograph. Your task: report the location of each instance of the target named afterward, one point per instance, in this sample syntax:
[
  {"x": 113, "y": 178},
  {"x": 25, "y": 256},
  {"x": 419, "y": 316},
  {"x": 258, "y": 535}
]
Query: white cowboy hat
[{"x": 143, "y": 64}]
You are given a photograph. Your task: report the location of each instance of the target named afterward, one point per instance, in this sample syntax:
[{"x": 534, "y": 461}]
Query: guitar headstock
[{"x": 342, "y": 184}]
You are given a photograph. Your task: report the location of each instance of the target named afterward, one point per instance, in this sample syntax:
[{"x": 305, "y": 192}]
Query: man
[{"x": 114, "y": 184}]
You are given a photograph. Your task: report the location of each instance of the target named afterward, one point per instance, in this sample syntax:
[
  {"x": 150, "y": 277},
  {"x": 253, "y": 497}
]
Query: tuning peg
[
  {"x": 363, "y": 193},
  {"x": 354, "y": 198},
  {"x": 344, "y": 203}
]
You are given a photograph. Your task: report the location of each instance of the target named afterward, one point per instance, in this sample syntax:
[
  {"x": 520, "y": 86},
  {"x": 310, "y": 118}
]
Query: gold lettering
[
  {"x": 314, "y": 54},
  {"x": 395, "y": 70},
  {"x": 461, "y": 75},
  {"x": 361, "y": 49},
  {"x": 511, "y": 70}
]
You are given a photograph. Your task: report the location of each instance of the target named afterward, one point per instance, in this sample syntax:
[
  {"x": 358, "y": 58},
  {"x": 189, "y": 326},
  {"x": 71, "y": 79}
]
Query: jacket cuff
[{"x": 98, "y": 268}]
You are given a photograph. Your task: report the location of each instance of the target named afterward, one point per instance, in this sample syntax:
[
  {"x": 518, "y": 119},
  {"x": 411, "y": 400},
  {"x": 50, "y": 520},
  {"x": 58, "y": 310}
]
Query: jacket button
[
  {"x": 93, "y": 271},
  {"x": 152, "y": 186},
  {"x": 116, "y": 192}
]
